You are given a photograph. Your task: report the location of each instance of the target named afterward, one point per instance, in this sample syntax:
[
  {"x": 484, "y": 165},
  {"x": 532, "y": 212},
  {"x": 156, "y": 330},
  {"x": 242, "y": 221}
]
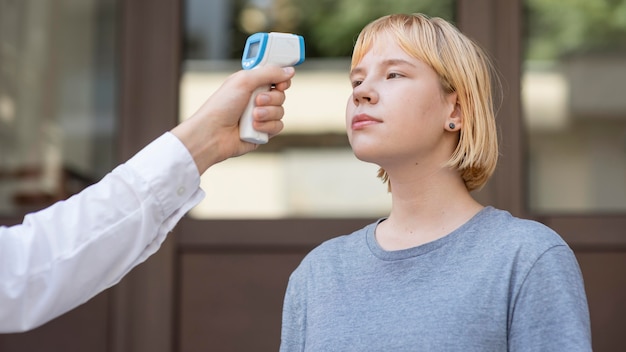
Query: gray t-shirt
[{"x": 498, "y": 283}]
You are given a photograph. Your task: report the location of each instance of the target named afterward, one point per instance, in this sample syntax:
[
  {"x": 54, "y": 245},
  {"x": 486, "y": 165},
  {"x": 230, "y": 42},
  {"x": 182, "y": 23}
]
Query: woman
[{"x": 441, "y": 272}]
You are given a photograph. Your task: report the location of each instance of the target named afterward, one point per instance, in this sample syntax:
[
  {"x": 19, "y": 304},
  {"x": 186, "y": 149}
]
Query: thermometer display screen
[{"x": 253, "y": 50}]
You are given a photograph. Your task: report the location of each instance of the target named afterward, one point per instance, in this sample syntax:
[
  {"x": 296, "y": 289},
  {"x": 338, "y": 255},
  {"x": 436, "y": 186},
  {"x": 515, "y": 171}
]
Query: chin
[
  {"x": 367, "y": 154},
  {"x": 365, "y": 147}
]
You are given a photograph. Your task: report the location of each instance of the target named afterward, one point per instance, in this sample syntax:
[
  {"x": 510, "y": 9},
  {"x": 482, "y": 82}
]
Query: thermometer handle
[{"x": 246, "y": 131}]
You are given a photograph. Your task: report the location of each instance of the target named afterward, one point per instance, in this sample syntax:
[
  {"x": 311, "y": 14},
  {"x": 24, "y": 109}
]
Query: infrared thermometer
[{"x": 282, "y": 49}]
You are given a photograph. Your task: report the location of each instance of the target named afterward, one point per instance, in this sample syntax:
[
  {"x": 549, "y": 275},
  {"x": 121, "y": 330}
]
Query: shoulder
[
  {"x": 502, "y": 227},
  {"x": 349, "y": 242},
  {"x": 498, "y": 239},
  {"x": 340, "y": 249}
]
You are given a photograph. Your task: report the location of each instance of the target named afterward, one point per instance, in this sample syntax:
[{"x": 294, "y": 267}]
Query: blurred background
[{"x": 84, "y": 84}]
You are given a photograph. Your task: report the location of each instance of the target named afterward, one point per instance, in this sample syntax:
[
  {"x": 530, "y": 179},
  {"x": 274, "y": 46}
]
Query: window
[
  {"x": 309, "y": 170},
  {"x": 574, "y": 105},
  {"x": 57, "y": 99}
]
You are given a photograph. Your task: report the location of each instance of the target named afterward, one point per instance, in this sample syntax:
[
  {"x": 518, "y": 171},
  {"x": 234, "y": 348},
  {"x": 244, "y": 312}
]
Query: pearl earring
[{"x": 452, "y": 125}]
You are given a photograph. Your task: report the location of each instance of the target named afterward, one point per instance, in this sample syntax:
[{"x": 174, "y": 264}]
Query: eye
[
  {"x": 393, "y": 75},
  {"x": 356, "y": 83}
]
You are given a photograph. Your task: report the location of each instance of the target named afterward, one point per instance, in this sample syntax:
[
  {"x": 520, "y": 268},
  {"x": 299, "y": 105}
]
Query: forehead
[
  {"x": 375, "y": 59},
  {"x": 380, "y": 43}
]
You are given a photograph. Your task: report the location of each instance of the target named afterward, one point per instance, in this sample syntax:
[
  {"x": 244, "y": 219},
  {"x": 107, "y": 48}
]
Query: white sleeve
[{"x": 62, "y": 256}]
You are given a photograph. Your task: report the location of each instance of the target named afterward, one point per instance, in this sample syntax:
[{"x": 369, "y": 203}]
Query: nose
[{"x": 364, "y": 93}]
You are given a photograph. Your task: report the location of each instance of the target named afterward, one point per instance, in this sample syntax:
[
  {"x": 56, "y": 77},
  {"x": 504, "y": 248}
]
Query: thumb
[{"x": 270, "y": 74}]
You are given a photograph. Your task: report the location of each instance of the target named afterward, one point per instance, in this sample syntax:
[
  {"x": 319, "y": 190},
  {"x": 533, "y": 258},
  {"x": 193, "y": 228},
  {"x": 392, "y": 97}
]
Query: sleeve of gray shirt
[
  {"x": 550, "y": 311},
  {"x": 294, "y": 317}
]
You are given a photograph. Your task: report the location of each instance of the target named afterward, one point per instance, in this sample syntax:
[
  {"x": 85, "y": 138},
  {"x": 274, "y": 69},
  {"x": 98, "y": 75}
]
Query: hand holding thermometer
[{"x": 282, "y": 49}]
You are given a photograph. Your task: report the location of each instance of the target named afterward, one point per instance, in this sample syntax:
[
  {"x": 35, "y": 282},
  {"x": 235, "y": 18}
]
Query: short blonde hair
[{"x": 464, "y": 68}]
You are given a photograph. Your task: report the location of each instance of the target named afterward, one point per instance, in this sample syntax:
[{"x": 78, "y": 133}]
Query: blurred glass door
[
  {"x": 57, "y": 99},
  {"x": 574, "y": 105}
]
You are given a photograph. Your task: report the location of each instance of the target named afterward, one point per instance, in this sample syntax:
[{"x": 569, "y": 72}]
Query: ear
[{"x": 454, "y": 122}]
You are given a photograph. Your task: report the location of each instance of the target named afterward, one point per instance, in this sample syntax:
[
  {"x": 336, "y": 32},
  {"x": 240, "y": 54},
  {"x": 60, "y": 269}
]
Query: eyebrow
[{"x": 385, "y": 63}]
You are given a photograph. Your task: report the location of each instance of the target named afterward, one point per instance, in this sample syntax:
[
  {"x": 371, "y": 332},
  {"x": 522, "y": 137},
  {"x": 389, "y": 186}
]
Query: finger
[
  {"x": 282, "y": 86},
  {"x": 270, "y": 98},
  {"x": 272, "y": 127},
  {"x": 268, "y": 75},
  {"x": 268, "y": 113}
]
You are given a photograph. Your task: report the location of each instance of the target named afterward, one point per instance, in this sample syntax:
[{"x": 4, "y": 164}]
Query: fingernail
[
  {"x": 261, "y": 112},
  {"x": 263, "y": 99},
  {"x": 288, "y": 70}
]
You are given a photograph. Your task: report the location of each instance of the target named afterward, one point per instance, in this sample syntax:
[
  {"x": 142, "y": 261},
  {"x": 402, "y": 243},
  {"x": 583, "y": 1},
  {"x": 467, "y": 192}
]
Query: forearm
[{"x": 64, "y": 255}]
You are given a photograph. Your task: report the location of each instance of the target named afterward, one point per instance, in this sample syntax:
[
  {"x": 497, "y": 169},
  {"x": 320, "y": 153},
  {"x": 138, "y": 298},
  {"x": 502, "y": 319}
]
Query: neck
[{"x": 425, "y": 209}]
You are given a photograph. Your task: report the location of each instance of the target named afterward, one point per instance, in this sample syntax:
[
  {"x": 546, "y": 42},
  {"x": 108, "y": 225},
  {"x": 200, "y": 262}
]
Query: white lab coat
[{"x": 62, "y": 256}]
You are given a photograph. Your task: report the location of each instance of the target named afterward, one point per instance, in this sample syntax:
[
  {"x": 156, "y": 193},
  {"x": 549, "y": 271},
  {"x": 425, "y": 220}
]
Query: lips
[{"x": 362, "y": 120}]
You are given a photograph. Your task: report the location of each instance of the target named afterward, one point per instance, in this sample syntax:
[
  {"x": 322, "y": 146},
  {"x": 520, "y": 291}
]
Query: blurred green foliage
[
  {"x": 557, "y": 28},
  {"x": 331, "y": 26},
  {"x": 553, "y": 28}
]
